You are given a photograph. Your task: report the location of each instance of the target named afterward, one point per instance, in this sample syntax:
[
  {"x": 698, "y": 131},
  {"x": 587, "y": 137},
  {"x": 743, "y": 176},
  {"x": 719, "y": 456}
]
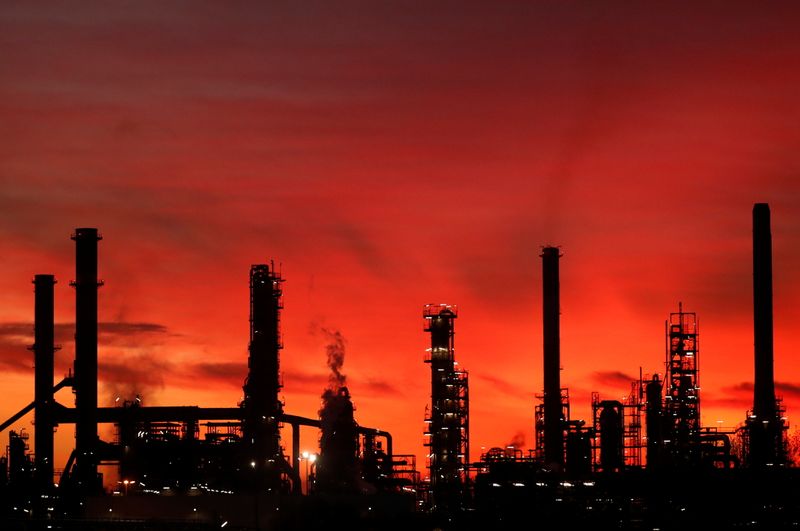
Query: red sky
[{"x": 392, "y": 155}]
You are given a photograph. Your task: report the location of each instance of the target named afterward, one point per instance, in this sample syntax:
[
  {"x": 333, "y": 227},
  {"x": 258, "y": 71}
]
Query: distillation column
[
  {"x": 86, "y": 286},
  {"x": 262, "y": 405},
  {"x": 447, "y": 428},
  {"x": 682, "y": 401}
]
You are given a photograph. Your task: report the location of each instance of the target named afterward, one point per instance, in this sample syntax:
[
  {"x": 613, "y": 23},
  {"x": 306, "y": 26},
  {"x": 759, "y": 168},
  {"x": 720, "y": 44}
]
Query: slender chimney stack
[
  {"x": 44, "y": 350},
  {"x": 765, "y": 426},
  {"x": 764, "y": 407},
  {"x": 85, "y": 385},
  {"x": 553, "y": 429}
]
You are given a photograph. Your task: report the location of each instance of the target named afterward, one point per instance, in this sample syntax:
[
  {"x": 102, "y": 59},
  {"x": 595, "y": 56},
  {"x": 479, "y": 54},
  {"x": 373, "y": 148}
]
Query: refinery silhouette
[{"x": 642, "y": 462}]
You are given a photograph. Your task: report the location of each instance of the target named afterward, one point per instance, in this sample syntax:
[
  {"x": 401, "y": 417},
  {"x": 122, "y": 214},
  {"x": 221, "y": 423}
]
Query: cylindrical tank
[
  {"x": 611, "y": 436},
  {"x": 654, "y": 421},
  {"x": 578, "y": 452}
]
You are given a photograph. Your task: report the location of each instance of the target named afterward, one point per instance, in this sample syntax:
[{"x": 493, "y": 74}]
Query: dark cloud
[
  {"x": 16, "y": 329},
  {"x": 613, "y": 378},
  {"x": 742, "y": 403},
  {"x": 375, "y": 386},
  {"x": 14, "y": 357},
  {"x": 787, "y": 389},
  {"x": 121, "y": 374},
  {"x": 745, "y": 389},
  {"x": 303, "y": 379},
  {"x": 128, "y": 329},
  {"x": 15, "y": 340},
  {"x": 67, "y": 330},
  {"x": 233, "y": 374},
  {"x": 366, "y": 251},
  {"x": 506, "y": 387},
  {"x": 228, "y": 373}
]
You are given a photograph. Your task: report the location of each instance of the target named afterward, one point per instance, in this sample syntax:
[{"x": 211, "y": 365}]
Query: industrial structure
[
  {"x": 644, "y": 461},
  {"x": 447, "y": 421},
  {"x": 678, "y": 439},
  {"x": 562, "y": 443},
  {"x": 553, "y": 418},
  {"x": 765, "y": 427},
  {"x": 182, "y": 450},
  {"x": 85, "y": 385},
  {"x": 44, "y": 352},
  {"x": 262, "y": 407}
]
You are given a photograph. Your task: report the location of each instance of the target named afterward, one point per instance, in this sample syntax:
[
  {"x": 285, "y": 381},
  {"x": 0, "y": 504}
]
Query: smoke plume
[
  {"x": 337, "y": 467},
  {"x": 334, "y": 350},
  {"x": 335, "y": 398},
  {"x": 128, "y": 377},
  {"x": 517, "y": 441}
]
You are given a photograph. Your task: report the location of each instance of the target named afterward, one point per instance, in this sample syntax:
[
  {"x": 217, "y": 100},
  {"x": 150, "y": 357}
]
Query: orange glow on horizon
[{"x": 389, "y": 159}]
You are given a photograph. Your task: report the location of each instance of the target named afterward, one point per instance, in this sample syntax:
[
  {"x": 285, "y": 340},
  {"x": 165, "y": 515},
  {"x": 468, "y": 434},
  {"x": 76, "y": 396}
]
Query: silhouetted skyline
[{"x": 391, "y": 156}]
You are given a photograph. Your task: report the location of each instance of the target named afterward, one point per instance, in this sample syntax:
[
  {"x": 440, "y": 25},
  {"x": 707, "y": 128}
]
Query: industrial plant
[{"x": 642, "y": 462}]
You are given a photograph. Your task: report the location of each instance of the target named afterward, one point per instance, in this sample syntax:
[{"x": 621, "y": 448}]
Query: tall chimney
[
  {"x": 765, "y": 427},
  {"x": 44, "y": 350},
  {"x": 764, "y": 407},
  {"x": 85, "y": 385},
  {"x": 553, "y": 429}
]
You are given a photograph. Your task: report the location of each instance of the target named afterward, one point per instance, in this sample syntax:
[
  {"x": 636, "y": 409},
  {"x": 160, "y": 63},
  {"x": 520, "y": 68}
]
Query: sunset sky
[{"x": 392, "y": 154}]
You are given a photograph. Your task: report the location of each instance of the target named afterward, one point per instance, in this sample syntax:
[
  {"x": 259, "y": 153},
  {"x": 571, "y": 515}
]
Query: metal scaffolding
[
  {"x": 447, "y": 421},
  {"x": 682, "y": 401}
]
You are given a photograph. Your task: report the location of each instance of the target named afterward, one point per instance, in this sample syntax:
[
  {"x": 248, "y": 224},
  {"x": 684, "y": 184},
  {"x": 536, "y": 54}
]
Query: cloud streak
[{"x": 613, "y": 378}]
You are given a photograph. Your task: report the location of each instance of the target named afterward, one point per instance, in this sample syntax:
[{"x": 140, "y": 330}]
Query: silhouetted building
[
  {"x": 681, "y": 435},
  {"x": 44, "y": 350},
  {"x": 765, "y": 426},
  {"x": 447, "y": 422},
  {"x": 85, "y": 387},
  {"x": 261, "y": 406},
  {"x": 551, "y": 311}
]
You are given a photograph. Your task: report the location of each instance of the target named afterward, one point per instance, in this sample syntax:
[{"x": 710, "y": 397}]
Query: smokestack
[
  {"x": 44, "y": 350},
  {"x": 262, "y": 406},
  {"x": 764, "y": 407},
  {"x": 553, "y": 431},
  {"x": 765, "y": 426},
  {"x": 85, "y": 385}
]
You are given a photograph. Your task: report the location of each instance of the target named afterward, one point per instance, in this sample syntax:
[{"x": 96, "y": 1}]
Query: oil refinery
[{"x": 645, "y": 461}]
